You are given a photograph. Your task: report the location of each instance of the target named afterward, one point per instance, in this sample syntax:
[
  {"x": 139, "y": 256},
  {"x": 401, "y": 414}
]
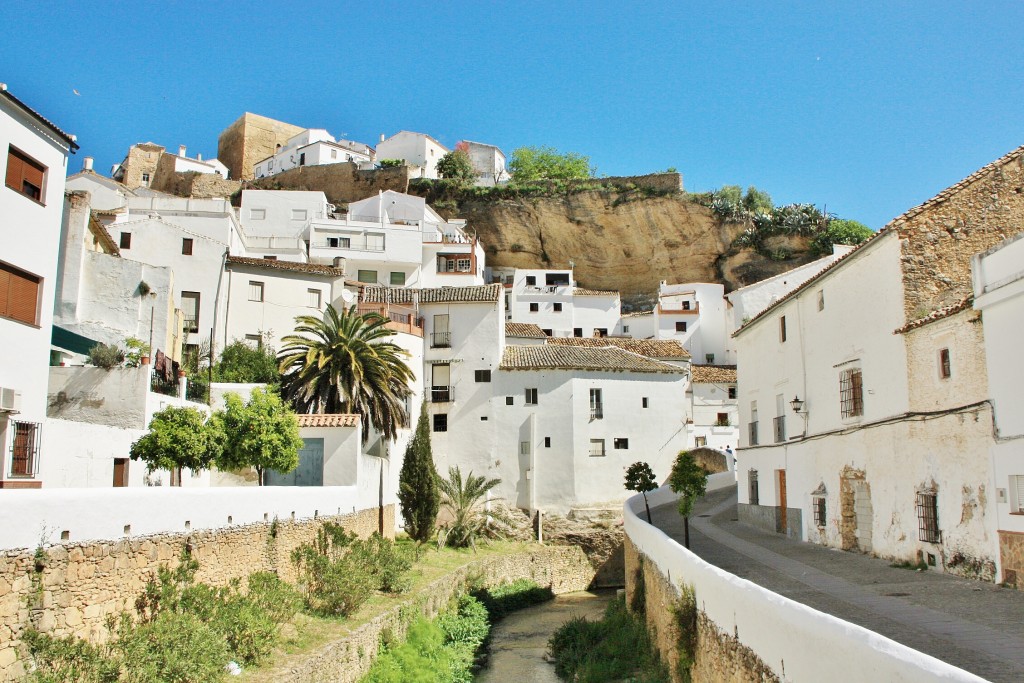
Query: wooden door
[
  {"x": 120, "y": 472},
  {"x": 310, "y": 471},
  {"x": 783, "y": 521}
]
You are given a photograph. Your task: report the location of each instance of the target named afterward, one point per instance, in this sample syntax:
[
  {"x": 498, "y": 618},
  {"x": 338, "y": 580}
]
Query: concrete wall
[
  {"x": 115, "y": 397},
  {"x": 342, "y": 183},
  {"x": 746, "y": 632}
]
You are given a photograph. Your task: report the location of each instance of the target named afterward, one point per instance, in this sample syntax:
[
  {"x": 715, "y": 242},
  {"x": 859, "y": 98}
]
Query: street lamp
[{"x": 798, "y": 405}]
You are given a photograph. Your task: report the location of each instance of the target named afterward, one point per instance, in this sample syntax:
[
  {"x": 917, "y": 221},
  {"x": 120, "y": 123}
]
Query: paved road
[{"x": 976, "y": 626}]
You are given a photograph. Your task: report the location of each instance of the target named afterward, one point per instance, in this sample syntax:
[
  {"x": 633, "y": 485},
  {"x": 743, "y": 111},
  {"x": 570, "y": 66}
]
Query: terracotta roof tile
[
  {"x": 67, "y": 137},
  {"x": 579, "y": 291},
  {"x": 710, "y": 374},
  {"x": 524, "y": 330},
  {"x": 552, "y": 357},
  {"x": 433, "y": 295},
  {"x": 311, "y": 268},
  {"x": 652, "y": 348},
  {"x": 329, "y": 420},
  {"x": 941, "y": 313}
]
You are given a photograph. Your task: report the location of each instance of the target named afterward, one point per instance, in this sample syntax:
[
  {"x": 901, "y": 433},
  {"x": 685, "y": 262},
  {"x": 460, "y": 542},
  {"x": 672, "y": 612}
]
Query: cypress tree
[{"x": 417, "y": 484}]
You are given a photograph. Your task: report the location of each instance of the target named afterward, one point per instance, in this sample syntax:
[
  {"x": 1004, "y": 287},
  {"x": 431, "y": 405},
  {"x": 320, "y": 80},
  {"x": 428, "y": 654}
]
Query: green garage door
[{"x": 310, "y": 471}]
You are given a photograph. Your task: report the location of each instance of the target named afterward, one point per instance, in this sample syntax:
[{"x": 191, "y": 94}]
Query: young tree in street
[
  {"x": 456, "y": 165},
  {"x": 344, "y": 363},
  {"x": 640, "y": 478},
  {"x": 178, "y": 437},
  {"x": 547, "y": 163},
  {"x": 262, "y": 433},
  {"x": 690, "y": 481},
  {"x": 418, "y": 492}
]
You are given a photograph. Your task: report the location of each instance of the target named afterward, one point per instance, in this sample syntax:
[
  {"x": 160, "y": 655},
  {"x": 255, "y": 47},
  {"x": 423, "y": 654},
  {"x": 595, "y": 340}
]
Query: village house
[
  {"x": 713, "y": 408},
  {"x": 418, "y": 150},
  {"x": 35, "y": 155},
  {"x": 867, "y": 427},
  {"x": 148, "y": 164},
  {"x": 314, "y": 147},
  {"x": 488, "y": 162},
  {"x": 552, "y": 300}
]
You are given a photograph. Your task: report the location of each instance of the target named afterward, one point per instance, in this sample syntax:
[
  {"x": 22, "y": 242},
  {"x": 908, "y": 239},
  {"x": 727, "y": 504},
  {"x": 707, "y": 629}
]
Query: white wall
[
  {"x": 705, "y": 320},
  {"x": 285, "y": 212},
  {"x": 706, "y": 402},
  {"x": 106, "y": 193},
  {"x": 787, "y": 636},
  {"x": 416, "y": 149}
]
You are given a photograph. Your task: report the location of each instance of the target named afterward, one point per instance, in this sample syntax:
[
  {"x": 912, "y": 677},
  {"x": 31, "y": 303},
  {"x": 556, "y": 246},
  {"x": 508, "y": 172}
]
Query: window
[
  {"x": 1017, "y": 494},
  {"x": 339, "y": 242},
  {"x": 577, "y": 331},
  {"x": 269, "y": 258},
  {"x": 928, "y": 517},
  {"x": 463, "y": 265},
  {"x": 25, "y": 175},
  {"x": 818, "y": 504},
  {"x": 186, "y": 246},
  {"x": 334, "y": 154},
  {"x": 945, "y": 370},
  {"x": 597, "y": 448},
  {"x": 600, "y": 331},
  {"x": 754, "y": 498},
  {"x": 190, "y": 307},
  {"x": 700, "y": 441},
  {"x": 596, "y": 405},
  {"x": 531, "y": 281},
  {"x": 531, "y": 397},
  {"x": 397, "y": 279},
  {"x": 440, "y": 338},
  {"x": 314, "y": 298},
  {"x": 302, "y": 158},
  {"x": 510, "y": 400},
  {"x": 851, "y": 393},
  {"x": 255, "y": 290},
  {"x": 441, "y": 422},
  {"x": 752, "y": 437},
  {"x": 534, "y": 308},
  {"x": 298, "y": 214},
  {"x": 120, "y": 472},
  {"x": 254, "y": 340},
  {"x": 524, "y": 447},
  {"x": 680, "y": 326},
  {"x": 709, "y": 358},
  {"x": 644, "y": 402},
  {"x": 25, "y": 449},
  {"x": 620, "y": 444},
  {"x": 546, "y": 331},
  {"x": 369, "y": 276},
  {"x": 779, "y": 424},
  {"x": 126, "y": 240},
  {"x": 145, "y": 178},
  {"x": 482, "y": 375},
  {"x": 782, "y": 329},
  {"x": 821, "y": 307},
  {"x": 722, "y": 420},
  {"x": 258, "y": 214},
  {"x": 547, "y": 442},
  {"x": 18, "y": 294},
  {"x": 732, "y": 392},
  {"x": 558, "y": 308},
  {"x": 625, "y": 329},
  {"x": 441, "y": 381}
]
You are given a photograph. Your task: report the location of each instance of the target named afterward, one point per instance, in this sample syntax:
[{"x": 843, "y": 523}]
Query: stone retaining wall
[
  {"x": 342, "y": 183},
  {"x": 564, "y": 569},
  {"x": 70, "y": 589}
]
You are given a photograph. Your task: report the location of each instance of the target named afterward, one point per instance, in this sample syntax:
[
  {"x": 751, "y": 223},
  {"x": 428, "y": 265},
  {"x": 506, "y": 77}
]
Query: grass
[
  {"x": 308, "y": 633},
  {"x": 920, "y": 565}
]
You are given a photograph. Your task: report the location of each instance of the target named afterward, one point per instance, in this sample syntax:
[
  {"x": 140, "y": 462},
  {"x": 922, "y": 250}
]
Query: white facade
[
  {"x": 34, "y": 155},
  {"x": 488, "y": 162},
  {"x": 713, "y": 408},
  {"x": 314, "y": 147},
  {"x": 694, "y": 314},
  {"x": 418, "y": 150},
  {"x": 552, "y": 300}
]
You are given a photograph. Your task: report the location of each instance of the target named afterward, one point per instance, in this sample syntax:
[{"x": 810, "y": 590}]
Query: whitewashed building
[
  {"x": 34, "y": 156},
  {"x": 552, "y": 300},
  {"x": 488, "y": 162},
  {"x": 314, "y": 147},
  {"x": 713, "y": 410},
  {"x": 418, "y": 150},
  {"x": 694, "y": 314}
]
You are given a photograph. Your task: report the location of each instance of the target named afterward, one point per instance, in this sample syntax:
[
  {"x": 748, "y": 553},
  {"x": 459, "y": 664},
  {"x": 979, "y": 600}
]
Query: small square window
[
  {"x": 298, "y": 214},
  {"x": 482, "y": 375},
  {"x": 547, "y": 442},
  {"x": 577, "y": 331},
  {"x": 722, "y": 420},
  {"x": 945, "y": 369},
  {"x": 145, "y": 177},
  {"x": 680, "y": 326},
  {"x": 334, "y": 154},
  {"x": 510, "y": 400},
  {"x": 531, "y": 281},
  {"x": 546, "y": 330},
  {"x": 558, "y": 308},
  {"x": 367, "y": 276},
  {"x": 625, "y": 329},
  {"x": 255, "y": 290},
  {"x": 313, "y": 298},
  {"x": 620, "y": 444},
  {"x": 644, "y": 402},
  {"x": 531, "y": 397},
  {"x": 186, "y": 246},
  {"x": 732, "y": 392},
  {"x": 534, "y": 308},
  {"x": 258, "y": 214},
  {"x": 597, "y": 448},
  {"x": 441, "y": 422},
  {"x": 700, "y": 441},
  {"x": 397, "y": 278},
  {"x": 524, "y": 447},
  {"x": 126, "y": 240},
  {"x": 709, "y": 358},
  {"x": 254, "y": 340}
]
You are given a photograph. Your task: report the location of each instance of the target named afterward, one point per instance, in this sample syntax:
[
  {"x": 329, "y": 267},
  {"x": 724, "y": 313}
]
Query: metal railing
[
  {"x": 190, "y": 325},
  {"x": 440, "y": 340},
  {"x": 597, "y": 412},
  {"x": 442, "y": 394}
]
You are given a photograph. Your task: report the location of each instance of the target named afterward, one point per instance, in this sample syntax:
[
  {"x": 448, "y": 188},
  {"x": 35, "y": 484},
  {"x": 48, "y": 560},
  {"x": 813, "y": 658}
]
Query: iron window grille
[
  {"x": 928, "y": 517},
  {"x": 818, "y": 503},
  {"x": 596, "y": 405},
  {"x": 754, "y": 496},
  {"x": 851, "y": 393},
  {"x": 482, "y": 375},
  {"x": 441, "y": 394},
  {"x": 25, "y": 449},
  {"x": 441, "y": 422}
]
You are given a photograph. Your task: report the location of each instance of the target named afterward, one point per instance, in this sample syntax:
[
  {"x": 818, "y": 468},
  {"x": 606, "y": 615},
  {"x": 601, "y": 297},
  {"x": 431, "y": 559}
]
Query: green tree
[
  {"x": 179, "y": 437},
  {"x": 343, "y": 363},
  {"x": 690, "y": 481},
  {"x": 757, "y": 201},
  {"x": 547, "y": 163},
  {"x": 262, "y": 433},
  {"x": 418, "y": 491},
  {"x": 391, "y": 163},
  {"x": 463, "y": 499},
  {"x": 640, "y": 478},
  {"x": 240, "y": 362},
  {"x": 456, "y": 165},
  {"x": 840, "y": 231}
]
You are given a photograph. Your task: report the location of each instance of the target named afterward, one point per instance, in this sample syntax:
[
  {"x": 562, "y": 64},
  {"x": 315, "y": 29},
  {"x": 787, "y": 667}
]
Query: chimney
[
  {"x": 382, "y": 137},
  {"x": 87, "y": 163},
  {"x": 181, "y": 150},
  {"x": 199, "y": 157},
  {"x": 113, "y": 169}
]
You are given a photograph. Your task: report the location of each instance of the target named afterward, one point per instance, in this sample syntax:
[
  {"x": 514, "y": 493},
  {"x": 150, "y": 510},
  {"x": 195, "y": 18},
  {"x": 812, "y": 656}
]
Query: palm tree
[
  {"x": 341, "y": 364},
  {"x": 462, "y": 498}
]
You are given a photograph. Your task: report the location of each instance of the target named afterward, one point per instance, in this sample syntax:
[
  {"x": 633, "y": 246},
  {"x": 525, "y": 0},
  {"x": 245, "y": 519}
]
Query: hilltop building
[
  {"x": 420, "y": 151},
  {"x": 314, "y": 147},
  {"x": 488, "y": 162}
]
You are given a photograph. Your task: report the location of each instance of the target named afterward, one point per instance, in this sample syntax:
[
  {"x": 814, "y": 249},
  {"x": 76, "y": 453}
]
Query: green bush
[
  {"x": 279, "y": 599},
  {"x": 106, "y": 357},
  {"x": 68, "y": 660},
  {"x": 173, "y": 647}
]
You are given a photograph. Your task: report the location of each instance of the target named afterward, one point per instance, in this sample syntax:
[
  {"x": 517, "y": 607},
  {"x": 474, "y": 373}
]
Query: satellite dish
[{"x": 347, "y": 296}]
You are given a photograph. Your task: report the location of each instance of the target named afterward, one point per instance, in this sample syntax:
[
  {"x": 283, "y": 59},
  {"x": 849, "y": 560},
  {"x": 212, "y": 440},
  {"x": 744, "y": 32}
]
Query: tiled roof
[
  {"x": 941, "y": 313},
  {"x": 102, "y": 236},
  {"x": 329, "y": 420},
  {"x": 311, "y": 268},
  {"x": 652, "y": 348},
  {"x": 67, "y": 137},
  {"x": 551, "y": 357},
  {"x": 524, "y": 330},
  {"x": 709, "y": 374},
  {"x": 433, "y": 295},
  {"x": 579, "y": 291}
]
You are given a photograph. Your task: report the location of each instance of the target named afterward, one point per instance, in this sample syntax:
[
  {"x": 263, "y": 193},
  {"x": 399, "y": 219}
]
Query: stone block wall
[
  {"x": 70, "y": 589},
  {"x": 342, "y": 183},
  {"x": 1011, "y": 557},
  {"x": 250, "y": 139},
  {"x": 195, "y": 184}
]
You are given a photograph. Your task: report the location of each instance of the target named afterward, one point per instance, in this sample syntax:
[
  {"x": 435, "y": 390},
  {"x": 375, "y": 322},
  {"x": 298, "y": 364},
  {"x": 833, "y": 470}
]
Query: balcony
[
  {"x": 694, "y": 310},
  {"x": 442, "y": 394},
  {"x": 400, "y": 319},
  {"x": 597, "y": 412},
  {"x": 779, "y": 423},
  {"x": 190, "y": 325},
  {"x": 440, "y": 340}
]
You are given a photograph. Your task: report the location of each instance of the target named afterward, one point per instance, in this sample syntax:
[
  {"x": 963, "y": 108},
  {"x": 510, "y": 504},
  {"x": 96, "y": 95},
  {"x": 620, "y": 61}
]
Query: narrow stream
[{"x": 520, "y": 640}]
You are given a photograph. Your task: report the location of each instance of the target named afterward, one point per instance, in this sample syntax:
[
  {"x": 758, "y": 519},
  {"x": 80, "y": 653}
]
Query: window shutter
[
  {"x": 19, "y": 295},
  {"x": 15, "y": 168},
  {"x": 5, "y": 286},
  {"x": 32, "y": 173}
]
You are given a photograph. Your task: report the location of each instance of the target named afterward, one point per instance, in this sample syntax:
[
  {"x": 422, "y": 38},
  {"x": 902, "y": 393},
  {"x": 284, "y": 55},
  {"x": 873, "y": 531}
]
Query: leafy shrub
[
  {"x": 391, "y": 163},
  {"x": 68, "y": 660},
  {"x": 240, "y": 362},
  {"x": 106, "y": 357},
  {"x": 468, "y": 623},
  {"x": 175, "y": 647},
  {"x": 279, "y": 599},
  {"x": 388, "y": 562}
]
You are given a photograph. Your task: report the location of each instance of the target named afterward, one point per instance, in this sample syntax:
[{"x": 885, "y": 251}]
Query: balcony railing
[
  {"x": 440, "y": 340},
  {"x": 191, "y": 325},
  {"x": 780, "y": 428},
  {"x": 597, "y": 412},
  {"x": 442, "y": 394},
  {"x": 400, "y": 319}
]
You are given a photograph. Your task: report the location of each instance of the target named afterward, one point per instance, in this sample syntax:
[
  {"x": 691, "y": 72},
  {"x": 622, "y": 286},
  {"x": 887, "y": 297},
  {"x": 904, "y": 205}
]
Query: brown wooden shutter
[
  {"x": 19, "y": 295},
  {"x": 14, "y": 170},
  {"x": 5, "y": 287}
]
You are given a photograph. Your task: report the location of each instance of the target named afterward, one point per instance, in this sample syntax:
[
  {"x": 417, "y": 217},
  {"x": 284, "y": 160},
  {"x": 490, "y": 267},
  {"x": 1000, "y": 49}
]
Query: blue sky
[{"x": 866, "y": 108}]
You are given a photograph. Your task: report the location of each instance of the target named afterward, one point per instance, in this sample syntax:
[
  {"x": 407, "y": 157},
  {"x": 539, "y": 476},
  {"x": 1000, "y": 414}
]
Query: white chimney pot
[
  {"x": 181, "y": 150},
  {"x": 87, "y": 164}
]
